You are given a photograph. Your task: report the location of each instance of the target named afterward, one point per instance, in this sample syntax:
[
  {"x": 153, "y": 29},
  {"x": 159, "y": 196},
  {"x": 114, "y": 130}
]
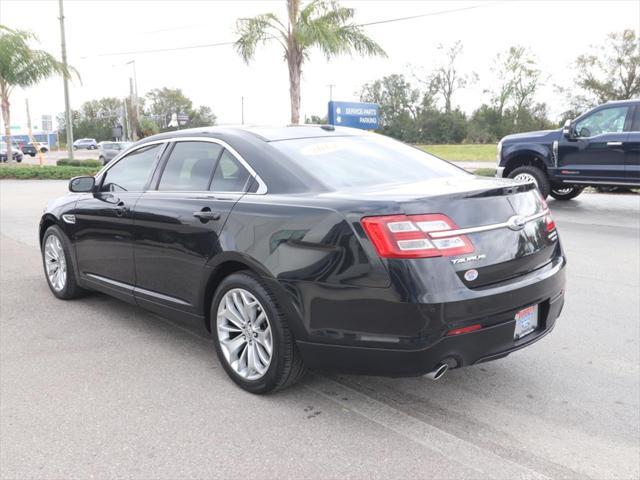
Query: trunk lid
[{"x": 506, "y": 223}]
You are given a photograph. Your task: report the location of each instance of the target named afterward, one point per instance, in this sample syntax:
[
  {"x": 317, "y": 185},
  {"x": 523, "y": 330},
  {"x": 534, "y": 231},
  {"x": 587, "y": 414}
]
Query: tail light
[
  {"x": 548, "y": 219},
  {"x": 551, "y": 225},
  {"x": 409, "y": 236}
]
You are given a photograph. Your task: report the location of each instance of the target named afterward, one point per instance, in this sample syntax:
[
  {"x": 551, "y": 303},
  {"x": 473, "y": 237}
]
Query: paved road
[{"x": 98, "y": 388}]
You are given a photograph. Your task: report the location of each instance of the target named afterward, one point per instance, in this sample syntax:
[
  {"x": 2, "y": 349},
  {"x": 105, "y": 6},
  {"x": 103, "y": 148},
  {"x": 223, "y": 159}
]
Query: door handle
[
  {"x": 614, "y": 144},
  {"x": 121, "y": 209},
  {"x": 206, "y": 214}
]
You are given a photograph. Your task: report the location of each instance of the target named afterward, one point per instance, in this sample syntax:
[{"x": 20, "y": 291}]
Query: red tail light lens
[
  {"x": 460, "y": 331},
  {"x": 551, "y": 225},
  {"x": 409, "y": 236}
]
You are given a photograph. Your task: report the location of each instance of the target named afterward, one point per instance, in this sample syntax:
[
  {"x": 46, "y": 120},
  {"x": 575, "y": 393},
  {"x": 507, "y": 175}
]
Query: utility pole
[
  {"x": 331, "y": 85},
  {"x": 67, "y": 105},
  {"x": 134, "y": 101},
  {"x": 242, "y": 107},
  {"x": 31, "y": 139},
  {"x": 133, "y": 119}
]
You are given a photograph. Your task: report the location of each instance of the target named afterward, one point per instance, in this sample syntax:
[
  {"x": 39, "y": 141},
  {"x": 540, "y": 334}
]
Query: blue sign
[{"x": 354, "y": 114}]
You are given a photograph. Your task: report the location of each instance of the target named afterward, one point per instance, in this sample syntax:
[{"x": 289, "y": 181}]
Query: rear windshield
[{"x": 343, "y": 162}]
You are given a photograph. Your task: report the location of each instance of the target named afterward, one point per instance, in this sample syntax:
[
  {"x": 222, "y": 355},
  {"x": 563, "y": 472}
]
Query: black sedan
[{"x": 313, "y": 246}]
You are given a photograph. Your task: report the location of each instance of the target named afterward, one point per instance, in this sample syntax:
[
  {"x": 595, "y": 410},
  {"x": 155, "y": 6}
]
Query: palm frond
[
  {"x": 22, "y": 66},
  {"x": 257, "y": 30},
  {"x": 329, "y": 27}
]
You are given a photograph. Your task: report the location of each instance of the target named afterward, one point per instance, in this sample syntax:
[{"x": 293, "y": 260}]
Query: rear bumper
[
  {"x": 483, "y": 345},
  {"x": 499, "y": 172},
  {"x": 494, "y": 340}
]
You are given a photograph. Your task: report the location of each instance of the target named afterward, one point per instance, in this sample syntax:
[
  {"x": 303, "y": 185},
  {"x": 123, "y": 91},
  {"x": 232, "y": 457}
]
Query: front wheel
[
  {"x": 56, "y": 259},
  {"x": 252, "y": 336},
  {"x": 566, "y": 193},
  {"x": 534, "y": 175}
]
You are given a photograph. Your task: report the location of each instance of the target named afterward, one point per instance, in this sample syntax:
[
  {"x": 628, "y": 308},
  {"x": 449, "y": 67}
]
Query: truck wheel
[
  {"x": 566, "y": 193},
  {"x": 535, "y": 175}
]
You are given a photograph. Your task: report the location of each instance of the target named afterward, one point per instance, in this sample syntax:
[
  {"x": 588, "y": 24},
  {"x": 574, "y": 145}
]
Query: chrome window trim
[
  {"x": 484, "y": 228},
  {"x": 262, "y": 187}
]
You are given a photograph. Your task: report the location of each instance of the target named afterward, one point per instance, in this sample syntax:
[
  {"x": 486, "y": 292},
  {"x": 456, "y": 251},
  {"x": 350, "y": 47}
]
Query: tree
[
  {"x": 95, "y": 118},
  {"x": 611, "y": 71},
  {"x": 321, "y": 24},
  {"x": 512, "y": 105},
  {"x": 161, "y": 103},
  {"x": 399, "y": 105},
  {"x": 202, "y": 117},
  {"x": 447, "y": 79},
  {"x": 22, "y": 66}
]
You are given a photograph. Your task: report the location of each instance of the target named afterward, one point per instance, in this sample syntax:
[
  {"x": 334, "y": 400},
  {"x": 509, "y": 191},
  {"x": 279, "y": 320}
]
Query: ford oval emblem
[
  {"x": 517, "y": 222},
  {"x": 471, "y": 275}
]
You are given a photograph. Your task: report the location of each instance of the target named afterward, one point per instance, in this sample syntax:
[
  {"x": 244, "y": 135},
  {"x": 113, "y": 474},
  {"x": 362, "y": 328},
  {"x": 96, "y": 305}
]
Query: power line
[
  {"x": 158, "y": 50},
  {"x": 431, "y": 14},
  {"x": 220, "y": 44}
]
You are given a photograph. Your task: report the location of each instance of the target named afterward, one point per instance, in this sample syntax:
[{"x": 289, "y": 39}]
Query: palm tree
[
  {"x": 21, "y": 66},
  {"x": 321, "y": 24}
]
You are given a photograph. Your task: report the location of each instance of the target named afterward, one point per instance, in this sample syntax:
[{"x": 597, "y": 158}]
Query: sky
[{"x": 555, "y": 31}]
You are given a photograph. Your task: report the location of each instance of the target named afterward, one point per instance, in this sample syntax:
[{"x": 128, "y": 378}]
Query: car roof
[
  {"x": 265, "y": 133},
  {"x": 623, "y": 102}
]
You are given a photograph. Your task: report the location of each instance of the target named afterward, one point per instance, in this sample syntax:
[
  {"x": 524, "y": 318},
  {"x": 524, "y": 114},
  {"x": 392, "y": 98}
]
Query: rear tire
[
  {"x": 535, "y": 175},
  {"x": 566, "y": 193},
  {"x": 242, "y": 333},
  {"x": 104, "y": 162},
  {"x": 56, "y": 259}
]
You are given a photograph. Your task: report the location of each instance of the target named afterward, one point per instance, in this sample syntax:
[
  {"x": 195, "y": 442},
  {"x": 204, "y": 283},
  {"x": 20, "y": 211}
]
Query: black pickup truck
[{"x": 599, "y": 148}]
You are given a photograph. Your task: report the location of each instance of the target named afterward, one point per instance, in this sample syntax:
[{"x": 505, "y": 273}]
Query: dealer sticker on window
[{"x": 526, "y": 322}]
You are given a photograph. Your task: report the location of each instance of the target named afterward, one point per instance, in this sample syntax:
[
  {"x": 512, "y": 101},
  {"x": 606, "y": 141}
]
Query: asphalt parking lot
[{"x": 97, "y": 388}]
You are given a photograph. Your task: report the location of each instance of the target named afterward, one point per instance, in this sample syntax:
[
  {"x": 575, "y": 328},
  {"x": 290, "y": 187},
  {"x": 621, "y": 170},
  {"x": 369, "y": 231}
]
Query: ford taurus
[{"x": 313, "y": 247}]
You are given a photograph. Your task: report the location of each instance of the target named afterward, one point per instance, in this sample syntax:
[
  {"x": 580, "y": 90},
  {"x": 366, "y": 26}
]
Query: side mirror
[
  {"x": 567, "y": 130},
  {"x": 82, "y": 184}
]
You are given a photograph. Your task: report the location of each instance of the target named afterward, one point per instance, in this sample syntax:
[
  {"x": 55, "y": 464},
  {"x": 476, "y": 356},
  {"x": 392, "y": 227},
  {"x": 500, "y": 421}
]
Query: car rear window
[{"x": 343, "y": 162}]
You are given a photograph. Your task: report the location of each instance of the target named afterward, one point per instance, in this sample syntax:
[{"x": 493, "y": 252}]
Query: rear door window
[
  {"x": 190, "y": 167},
  {"x": 230, "y": 175}
]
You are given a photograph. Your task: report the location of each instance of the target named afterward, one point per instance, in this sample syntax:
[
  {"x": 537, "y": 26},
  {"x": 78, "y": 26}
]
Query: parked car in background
[
  {"x": 330, "y": 248},
  {"x": 109, "y": 150},
  {"x": 15, "y": 152},
  {"x": 88, "y": 143},
  {"x": 600, "y": 148},
  {"x": 32, "y": 149},
  {"x": 28, "y": 149}
]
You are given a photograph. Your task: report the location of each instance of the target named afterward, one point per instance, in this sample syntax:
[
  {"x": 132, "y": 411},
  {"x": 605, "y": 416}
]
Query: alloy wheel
[
  {"x": 244, "y": 333},
  {"x": 56, "y": 263},
  {"x": 526, "y": 177}
]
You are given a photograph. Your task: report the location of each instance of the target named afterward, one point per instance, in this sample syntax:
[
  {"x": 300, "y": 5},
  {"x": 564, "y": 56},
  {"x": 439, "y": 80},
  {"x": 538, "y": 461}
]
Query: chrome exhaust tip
[{"x": 438, "y": 372}]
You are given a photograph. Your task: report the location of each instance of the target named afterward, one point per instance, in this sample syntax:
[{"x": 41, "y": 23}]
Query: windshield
[{"x": 342, "y": 162}]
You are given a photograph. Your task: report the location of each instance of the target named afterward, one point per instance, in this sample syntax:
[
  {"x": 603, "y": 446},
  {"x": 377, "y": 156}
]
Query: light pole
[
  {"x": 67, "y": 106},
  {"x": 331, "y": 85},
  {"x": 134, "y": 102}
]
